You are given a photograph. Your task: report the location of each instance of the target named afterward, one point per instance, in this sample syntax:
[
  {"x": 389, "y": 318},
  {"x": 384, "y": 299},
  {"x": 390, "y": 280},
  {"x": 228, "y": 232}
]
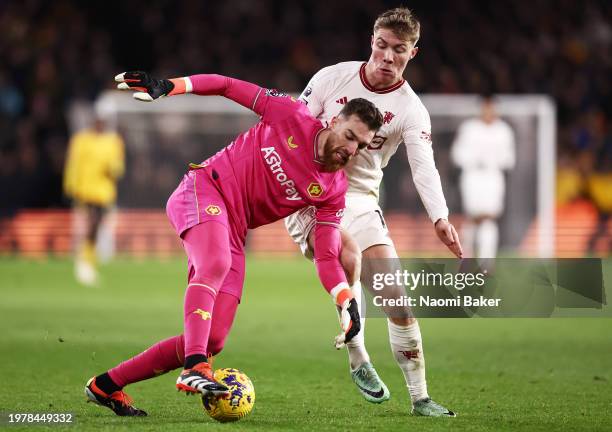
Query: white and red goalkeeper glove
[
  {"x": 349, "y": 318},
  {"x": 148, "y": 88}
]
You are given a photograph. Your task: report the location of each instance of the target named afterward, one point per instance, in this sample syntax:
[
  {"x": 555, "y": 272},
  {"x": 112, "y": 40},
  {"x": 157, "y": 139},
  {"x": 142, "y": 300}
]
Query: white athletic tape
[{"x": 142, "y": 96}]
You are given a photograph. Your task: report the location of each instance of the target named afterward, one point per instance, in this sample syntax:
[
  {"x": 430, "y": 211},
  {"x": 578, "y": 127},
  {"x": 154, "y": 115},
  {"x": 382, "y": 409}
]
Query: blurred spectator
[{"x": 94, "y": 164}]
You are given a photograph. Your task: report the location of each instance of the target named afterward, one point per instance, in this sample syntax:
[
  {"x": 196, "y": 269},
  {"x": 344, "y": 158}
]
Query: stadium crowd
[{"x": 53, "y": 53}]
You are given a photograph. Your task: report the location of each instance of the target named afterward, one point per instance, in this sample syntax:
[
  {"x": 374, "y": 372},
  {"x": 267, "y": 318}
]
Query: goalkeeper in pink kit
[{"x": 286, "y": 162}]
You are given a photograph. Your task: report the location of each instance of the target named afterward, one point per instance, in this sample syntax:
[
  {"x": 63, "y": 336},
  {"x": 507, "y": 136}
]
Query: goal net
[{"x": 163, "y": 137}]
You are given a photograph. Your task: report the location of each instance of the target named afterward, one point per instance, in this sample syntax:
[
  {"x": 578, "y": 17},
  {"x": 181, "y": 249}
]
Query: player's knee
[
  {"x": 212, "y": 269},
  {"x": 219, "y": 263}
]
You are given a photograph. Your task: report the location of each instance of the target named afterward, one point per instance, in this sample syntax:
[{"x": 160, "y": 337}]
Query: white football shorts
[
  {"x": 363, "y": 220},
  {"x": 482, "y": 192}
]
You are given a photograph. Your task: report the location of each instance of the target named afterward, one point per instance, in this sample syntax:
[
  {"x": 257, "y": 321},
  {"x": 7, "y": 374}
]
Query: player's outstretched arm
[{"x": 149, "y": 89}]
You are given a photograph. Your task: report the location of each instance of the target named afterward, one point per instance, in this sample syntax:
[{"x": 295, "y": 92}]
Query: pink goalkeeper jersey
[{"x": 271, "y": 170}]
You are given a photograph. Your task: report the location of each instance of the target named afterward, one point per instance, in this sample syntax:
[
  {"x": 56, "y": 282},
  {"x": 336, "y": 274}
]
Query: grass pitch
[{"x": 497, "y": 374}]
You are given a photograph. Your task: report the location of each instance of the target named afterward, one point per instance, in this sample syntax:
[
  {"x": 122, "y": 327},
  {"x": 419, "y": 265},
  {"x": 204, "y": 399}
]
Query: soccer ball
[{"x": 239, "y": 402}]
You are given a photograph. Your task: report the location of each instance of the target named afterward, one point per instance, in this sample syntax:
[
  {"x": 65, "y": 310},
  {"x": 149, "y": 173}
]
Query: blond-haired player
[{"x": 365, "y": 233}]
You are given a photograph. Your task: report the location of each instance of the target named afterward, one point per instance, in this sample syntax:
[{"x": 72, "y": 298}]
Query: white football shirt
[
  {"x": 482, "y": 151},
  {"x": 405, "y": 119},
  {"x": 484, "y": 146}
]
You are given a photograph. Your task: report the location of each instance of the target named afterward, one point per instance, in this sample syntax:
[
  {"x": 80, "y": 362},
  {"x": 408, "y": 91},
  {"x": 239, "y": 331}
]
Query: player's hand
[
  {"x": 350, "y": 323},
  {"x": 147, "y": 88},
  {"x": 448, "y": 235}
]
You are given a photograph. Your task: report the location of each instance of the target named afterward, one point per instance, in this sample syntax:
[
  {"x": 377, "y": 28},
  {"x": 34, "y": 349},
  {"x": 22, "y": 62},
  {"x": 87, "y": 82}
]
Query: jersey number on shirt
[{"x": 377, "y": 142}]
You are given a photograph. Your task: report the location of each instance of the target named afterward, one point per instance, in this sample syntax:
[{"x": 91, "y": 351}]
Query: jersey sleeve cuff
[
  {"x": 181, "y": 86},
  {"x": 341, "y": 293},
  {"x": 435, "y": 216}
]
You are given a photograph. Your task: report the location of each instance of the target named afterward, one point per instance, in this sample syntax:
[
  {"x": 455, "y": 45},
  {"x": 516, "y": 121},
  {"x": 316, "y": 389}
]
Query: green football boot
[
  {"x": 428, "y": 408},
  {"x": 369, "y": 383}
]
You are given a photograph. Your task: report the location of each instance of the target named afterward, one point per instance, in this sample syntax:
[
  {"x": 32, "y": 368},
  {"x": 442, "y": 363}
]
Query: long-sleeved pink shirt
[{"x": 272, "y": 170}]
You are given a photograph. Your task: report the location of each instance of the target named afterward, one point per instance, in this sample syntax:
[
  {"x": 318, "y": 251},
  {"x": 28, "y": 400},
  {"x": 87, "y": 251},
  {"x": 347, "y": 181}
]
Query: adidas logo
[{"x": 342, "y": 100}]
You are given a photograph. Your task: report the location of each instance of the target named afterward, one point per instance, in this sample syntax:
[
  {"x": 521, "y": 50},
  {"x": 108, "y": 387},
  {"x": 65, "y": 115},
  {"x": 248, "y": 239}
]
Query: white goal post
[{"x": 543, "y": 109}]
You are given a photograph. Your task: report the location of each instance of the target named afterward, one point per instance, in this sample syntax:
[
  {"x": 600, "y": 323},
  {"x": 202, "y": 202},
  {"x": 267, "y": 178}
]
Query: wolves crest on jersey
[
  {"x": 315, "y": 190},
  {"x": 213, "y": 210}
]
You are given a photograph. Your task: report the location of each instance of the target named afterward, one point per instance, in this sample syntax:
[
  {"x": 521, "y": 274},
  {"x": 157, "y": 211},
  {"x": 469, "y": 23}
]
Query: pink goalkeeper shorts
[{"x": 196, "y": 200}]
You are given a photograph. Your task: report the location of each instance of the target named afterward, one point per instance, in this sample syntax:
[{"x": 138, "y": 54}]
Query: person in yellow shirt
[{"x": 94, "y": 164}]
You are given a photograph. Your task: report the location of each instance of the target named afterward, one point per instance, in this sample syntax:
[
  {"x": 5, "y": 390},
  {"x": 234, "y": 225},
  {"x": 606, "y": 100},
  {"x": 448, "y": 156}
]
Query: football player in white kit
[
  {"x": 483, "y": 149},
  {"x": 364, "y": 232}
]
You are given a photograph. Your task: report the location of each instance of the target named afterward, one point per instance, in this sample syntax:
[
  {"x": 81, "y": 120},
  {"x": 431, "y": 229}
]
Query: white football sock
[
  {"x": 407, "y": 349},
  {"x": 486, "y": 239},
  {"x": 356, "y": 347}
]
